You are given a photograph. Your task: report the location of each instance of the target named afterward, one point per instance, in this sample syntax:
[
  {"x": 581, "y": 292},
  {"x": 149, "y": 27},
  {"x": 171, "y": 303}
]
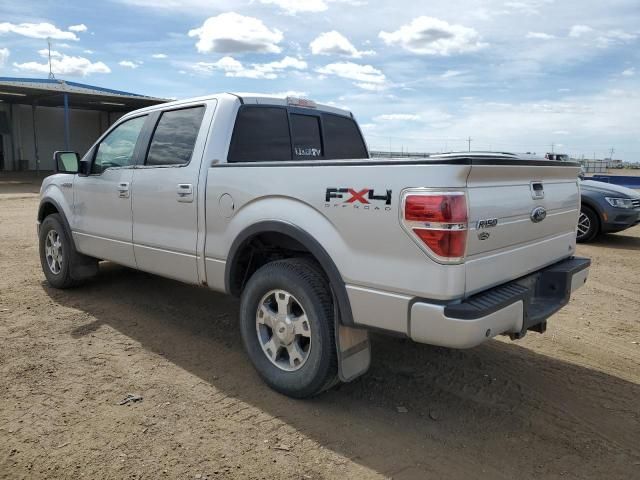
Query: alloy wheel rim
[
  {"x": 53, "y": 252},
  {"x": 283, "y": 330},
  {"x": 584, "y": 224}
]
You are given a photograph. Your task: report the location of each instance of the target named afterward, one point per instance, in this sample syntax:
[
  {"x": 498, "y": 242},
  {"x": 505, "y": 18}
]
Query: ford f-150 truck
[{"x": 276, "y": 201}]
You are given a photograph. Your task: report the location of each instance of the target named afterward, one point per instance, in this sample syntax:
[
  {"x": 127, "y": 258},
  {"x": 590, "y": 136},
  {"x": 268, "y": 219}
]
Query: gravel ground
[{"x": 561, "y": 405}]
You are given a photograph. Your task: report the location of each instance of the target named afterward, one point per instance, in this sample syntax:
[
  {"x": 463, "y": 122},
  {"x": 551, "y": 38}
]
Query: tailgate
[{"x": 521, "y": 219}]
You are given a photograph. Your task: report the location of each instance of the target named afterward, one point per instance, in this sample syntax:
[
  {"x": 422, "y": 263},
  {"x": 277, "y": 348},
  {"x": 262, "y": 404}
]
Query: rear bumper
[{"x": 511, "y": 308}]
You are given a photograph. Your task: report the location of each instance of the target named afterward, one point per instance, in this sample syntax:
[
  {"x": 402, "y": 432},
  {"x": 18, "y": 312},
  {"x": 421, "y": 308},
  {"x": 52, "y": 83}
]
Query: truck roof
[{"x": 256, "y": 99}]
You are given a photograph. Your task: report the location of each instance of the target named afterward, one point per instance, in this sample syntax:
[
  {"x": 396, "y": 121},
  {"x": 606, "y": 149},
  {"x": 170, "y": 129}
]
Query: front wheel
[
  {"x": 287, "y": 326},
  {"x": 588, "y": 225},
  {"x": 62, "y": 265}
]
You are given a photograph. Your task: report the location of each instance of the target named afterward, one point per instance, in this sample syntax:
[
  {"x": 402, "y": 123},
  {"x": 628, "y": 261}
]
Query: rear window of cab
[{"x": 271, "y": 133}]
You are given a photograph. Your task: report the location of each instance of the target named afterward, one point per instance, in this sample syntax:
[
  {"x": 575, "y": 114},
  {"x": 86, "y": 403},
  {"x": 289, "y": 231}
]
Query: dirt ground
[{"x": 561, "y": 405}]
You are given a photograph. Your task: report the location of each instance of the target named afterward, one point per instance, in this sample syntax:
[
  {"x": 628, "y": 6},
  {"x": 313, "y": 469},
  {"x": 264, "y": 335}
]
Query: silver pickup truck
[{"x": 276, "y": 201}]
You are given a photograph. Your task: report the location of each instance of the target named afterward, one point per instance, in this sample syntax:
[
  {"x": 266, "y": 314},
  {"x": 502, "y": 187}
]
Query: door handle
[
  {"x": 185, "y": 192},
  {"x": 123, "y": 189}
]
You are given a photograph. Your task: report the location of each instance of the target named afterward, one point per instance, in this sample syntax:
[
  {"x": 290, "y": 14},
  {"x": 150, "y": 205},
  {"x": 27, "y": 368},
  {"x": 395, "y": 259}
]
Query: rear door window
[
  {"x": 342, "y": 138},
  {"x": 307, "y": 143},
  {"x": 260, "y": 134},
  {"x": 175, "y": 136}
]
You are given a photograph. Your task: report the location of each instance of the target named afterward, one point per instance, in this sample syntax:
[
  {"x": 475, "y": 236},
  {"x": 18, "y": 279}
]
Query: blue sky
[{"x": 514, "y": 75}]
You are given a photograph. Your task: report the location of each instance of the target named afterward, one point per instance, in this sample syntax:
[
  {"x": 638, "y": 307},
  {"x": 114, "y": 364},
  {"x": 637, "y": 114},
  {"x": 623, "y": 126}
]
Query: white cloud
[
  {"x": 233, "y": 33},
  {"x": 612, "y": 37},
  {"x": 629, "y": 72},
  {"x": 528, "y": 7},
  {"x": 579, "y": 30},
  {"x": 397, "y": 117},
  {"x": 4, "y": 56},
  {"x": 432, "y": 36},
  {"x": 561, "y": 132},
  {"x": 88, "y": 51},
  {"x": 293, "y": 7},
  {"x": 334, "y": 43},
  {"x": 234, "y": 68},
  {"x": 128, "y": 64},
  {"x": 44, "y": 52},
  {"x": 540, "y": 35},
  {"x": 604, "y": 38},
  {"x": 291, "y": 93},
  {"x": 78, "y": 28},
  {"x": 62, "y": 64},
  {"x": 372, "y": 87},
  {"x": 296, "y": 6},
  {"x": 366, "y": 76},
  {"x": 451, "y": 73},
  {"x": 37, "y": 30},
  {"x": 159, "y": 55}
]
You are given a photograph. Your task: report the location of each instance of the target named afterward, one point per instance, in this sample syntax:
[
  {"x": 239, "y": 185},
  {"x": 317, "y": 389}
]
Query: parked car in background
[{"x": 606, "y": 208}]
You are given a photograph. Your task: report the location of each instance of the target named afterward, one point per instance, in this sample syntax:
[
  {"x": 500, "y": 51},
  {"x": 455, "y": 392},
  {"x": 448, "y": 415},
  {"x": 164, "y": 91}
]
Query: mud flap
[{"x": 354, "y": 352}]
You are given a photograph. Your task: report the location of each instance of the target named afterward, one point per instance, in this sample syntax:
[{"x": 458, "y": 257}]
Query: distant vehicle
[
  {"x": 276, "y": 201},
  {"x": 560, "y": 157},
  {"x": 606, "y": 208}
]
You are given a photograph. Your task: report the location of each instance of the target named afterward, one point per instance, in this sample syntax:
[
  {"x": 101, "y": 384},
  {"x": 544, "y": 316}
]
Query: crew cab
[{"x": 276, "y": 201}]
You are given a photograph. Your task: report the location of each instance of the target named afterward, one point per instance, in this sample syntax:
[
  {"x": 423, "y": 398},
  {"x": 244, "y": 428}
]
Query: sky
[{"x": 518, "y": 75}]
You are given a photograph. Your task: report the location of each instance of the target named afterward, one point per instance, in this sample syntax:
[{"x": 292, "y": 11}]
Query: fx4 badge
[{"x": 364, "y": 198}]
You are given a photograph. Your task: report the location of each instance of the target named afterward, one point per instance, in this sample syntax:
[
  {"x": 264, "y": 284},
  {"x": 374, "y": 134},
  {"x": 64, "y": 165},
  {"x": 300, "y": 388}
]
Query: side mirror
[{"x": 66, "y": 162}]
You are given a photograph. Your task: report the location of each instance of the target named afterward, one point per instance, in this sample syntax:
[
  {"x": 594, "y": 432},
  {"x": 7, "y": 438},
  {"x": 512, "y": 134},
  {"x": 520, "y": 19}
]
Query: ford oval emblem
[{"x": 538, "y": 214}]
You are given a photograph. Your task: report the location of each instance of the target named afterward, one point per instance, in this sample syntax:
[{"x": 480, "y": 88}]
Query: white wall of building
[{"x": 85, "y": 126}]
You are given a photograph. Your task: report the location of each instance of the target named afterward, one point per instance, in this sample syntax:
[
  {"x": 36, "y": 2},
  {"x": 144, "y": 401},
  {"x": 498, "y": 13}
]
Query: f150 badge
[
  {"x": 365, "y": 198},
  {"x": 483, "y": 224}
]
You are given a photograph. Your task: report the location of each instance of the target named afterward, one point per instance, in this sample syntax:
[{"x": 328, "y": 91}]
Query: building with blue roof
[{"x": 40, "y": 116}]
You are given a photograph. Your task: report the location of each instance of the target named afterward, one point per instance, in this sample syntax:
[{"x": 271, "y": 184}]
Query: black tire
[
  {"x": 74, "y": 268},
  {"x": 303, "y": 280},
  {"x": 593, "y": 225}
]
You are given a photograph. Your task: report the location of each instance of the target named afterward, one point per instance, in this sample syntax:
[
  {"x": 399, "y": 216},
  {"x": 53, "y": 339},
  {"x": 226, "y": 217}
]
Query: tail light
[{"x": 437, "y": 221}]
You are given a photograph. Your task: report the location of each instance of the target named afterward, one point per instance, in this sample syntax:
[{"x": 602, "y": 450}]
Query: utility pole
[
  {"x": 552, "y": 147},
  {"x": 611, "y": 153},
  {"x": 469, "y": 142},
  {"x": 51, "y": 75}
]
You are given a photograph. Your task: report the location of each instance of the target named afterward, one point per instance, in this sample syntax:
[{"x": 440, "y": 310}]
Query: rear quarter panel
[{"x": 368, "y": 245}]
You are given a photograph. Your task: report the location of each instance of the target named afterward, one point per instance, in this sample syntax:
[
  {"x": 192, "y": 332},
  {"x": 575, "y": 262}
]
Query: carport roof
[{"x": 50, "y": 93}]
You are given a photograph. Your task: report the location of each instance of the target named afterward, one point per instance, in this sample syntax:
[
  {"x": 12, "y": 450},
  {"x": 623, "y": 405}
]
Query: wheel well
[
  {"x": 260, "y": 249},
  {"x": 271, "y": 240},
  {"x": 46, "y": 209},
  {"x": 594, "y": 209}
]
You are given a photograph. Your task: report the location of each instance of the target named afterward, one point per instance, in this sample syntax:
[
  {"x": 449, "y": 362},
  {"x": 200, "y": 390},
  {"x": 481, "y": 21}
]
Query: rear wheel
[
  {"x": 286, "y": 321},
  {"x": 588, "y": 225}
]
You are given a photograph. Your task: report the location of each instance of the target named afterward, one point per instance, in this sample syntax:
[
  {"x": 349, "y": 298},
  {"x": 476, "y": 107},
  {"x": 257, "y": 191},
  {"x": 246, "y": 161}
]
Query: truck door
[
  {"x": 165, "y": 185},
  {"x": 101, "y": 221}
]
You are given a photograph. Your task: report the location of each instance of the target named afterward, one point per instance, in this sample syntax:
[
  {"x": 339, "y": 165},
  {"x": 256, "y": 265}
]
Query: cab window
[
  {"x": 175, "y": 136},
  {"x": 117, "y": 149},
  {"x": 260, "y": 134}
]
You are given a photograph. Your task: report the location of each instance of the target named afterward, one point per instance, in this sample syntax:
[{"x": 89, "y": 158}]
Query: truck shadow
[{"x": 513, "y": 411}]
